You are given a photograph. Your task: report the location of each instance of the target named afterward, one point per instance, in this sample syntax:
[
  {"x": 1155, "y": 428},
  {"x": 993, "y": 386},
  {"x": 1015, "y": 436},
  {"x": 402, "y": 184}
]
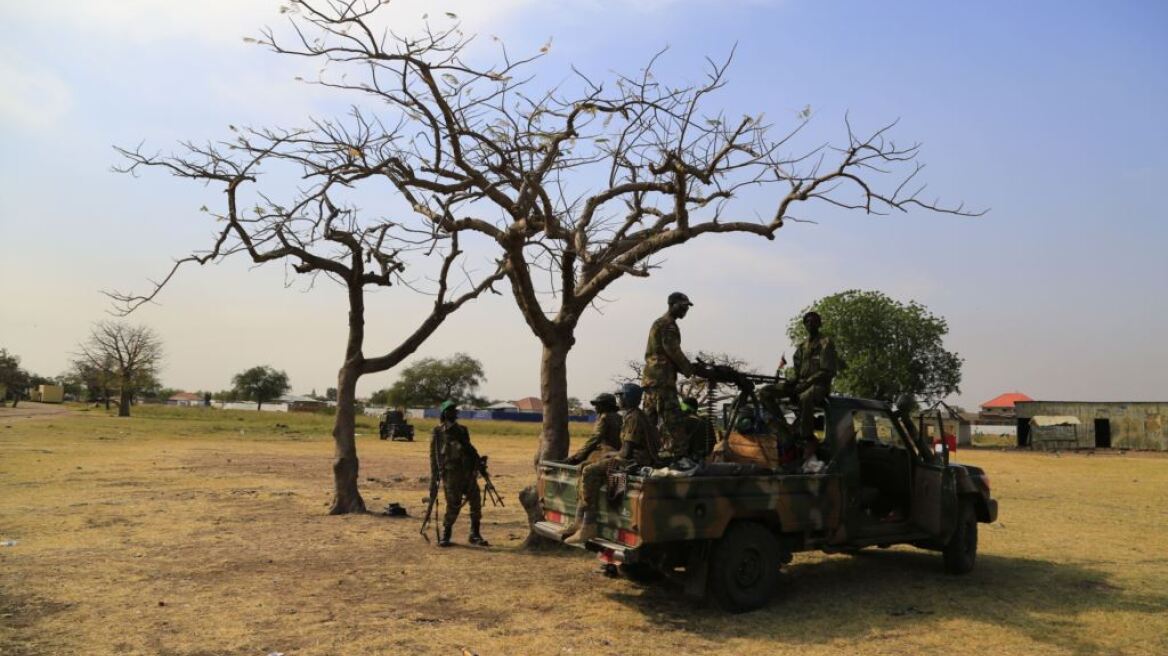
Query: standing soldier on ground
[
  {"x": 638, "y": 446},
  {"x": 815, "y": 367},
  {"x": 455, "y": 462},
  {"x": 664, "y": 360}
]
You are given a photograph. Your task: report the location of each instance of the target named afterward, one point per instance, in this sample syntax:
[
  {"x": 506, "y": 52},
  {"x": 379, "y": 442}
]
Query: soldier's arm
[
  {"x": 591, "y": 445},
  {"x": 671, "y": 341}
]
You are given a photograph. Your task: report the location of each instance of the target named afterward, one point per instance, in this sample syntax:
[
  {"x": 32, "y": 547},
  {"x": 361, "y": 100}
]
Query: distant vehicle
[
  {"x": 728, "y": 529},
  {"x": 393, "y": 426}
]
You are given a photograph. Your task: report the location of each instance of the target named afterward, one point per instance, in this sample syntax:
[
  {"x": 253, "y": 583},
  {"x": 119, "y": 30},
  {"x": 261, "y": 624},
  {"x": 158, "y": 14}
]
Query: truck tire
[
  {"x": 744, "y": 569},
  {"x": 960, "y": 552}
]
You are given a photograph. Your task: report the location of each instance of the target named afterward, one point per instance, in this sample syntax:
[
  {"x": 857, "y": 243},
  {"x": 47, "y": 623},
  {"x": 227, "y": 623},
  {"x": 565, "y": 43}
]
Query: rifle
[
  {"x": 431, "y": 502},
  {"x": 488, "y": 486}
]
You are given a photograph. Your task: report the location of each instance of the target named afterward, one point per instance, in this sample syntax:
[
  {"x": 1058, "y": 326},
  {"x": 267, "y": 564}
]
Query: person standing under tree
[{"x": 455, "y": 462}]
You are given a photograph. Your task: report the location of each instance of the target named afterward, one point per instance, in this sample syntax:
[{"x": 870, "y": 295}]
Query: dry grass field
[{"x": 191, "y": 531}]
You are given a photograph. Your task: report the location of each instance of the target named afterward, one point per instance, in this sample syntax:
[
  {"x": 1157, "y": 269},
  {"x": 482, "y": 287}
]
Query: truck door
[{"x": 934, "y": 494}]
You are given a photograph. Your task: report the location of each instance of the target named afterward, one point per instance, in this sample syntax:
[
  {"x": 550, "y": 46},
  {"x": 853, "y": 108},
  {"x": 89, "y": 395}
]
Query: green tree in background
[
  {"x": 430, "y": 381},
  {"x": 261, "y": 384},
  {"x": 888, "y": 349},
  {"x": 12, "y": 378}
]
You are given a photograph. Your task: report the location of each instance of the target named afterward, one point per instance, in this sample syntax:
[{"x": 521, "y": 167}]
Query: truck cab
[{"x": 725, "y": 529}]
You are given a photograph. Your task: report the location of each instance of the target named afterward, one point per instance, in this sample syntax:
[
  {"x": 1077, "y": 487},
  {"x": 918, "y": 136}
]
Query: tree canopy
[
  {"x": 261, "y": 384},
  {"x": 12, "y": 377},
  {"x": 123, "y": 357},
  {"x": 888, "y": 349},
  {"x": 430, "y": 381}
]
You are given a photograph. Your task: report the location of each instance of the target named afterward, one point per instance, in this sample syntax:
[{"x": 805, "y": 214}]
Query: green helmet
[{"x": 448, "y": 404}]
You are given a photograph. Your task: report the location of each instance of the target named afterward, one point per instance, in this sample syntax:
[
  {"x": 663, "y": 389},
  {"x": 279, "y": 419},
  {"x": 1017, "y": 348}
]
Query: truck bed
[{"x": 668, "y": 509}]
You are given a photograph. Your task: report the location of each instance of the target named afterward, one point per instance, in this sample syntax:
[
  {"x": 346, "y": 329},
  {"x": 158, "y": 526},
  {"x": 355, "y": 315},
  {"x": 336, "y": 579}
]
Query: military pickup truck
[{"x": 726, "y": 534}]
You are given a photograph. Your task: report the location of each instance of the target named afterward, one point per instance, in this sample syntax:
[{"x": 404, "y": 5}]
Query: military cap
[
  {"x": 448, "y": 404},
  {"x": 678, "y": 297},
  {"x": 604, "y": 398}
]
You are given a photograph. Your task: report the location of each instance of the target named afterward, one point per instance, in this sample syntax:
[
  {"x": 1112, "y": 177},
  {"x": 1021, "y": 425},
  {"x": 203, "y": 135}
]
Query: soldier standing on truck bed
[
  {"x": 638, "y": 446},
  {"x": 815, "y": 367},
  {"x": 664, "y": 359},
  {"x": 455, "y": 462}
]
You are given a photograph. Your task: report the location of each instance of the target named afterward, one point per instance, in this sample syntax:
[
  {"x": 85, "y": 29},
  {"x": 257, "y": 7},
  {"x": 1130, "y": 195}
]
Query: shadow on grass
[{"x": 887, "y": 593}]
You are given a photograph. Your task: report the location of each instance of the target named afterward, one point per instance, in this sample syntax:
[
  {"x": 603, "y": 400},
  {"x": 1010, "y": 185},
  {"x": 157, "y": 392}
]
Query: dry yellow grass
[{"x": 202, "y": 532}]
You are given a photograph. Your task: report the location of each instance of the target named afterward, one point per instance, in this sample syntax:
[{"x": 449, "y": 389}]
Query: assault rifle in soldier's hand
[
  {"x": 430, "y": 512},
  {"x": 488, "y": 486}
]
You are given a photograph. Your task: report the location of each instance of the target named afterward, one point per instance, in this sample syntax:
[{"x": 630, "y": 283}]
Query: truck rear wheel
[
  {"x": 960, "y": 552},
  {"x": 744, "y": 569}
]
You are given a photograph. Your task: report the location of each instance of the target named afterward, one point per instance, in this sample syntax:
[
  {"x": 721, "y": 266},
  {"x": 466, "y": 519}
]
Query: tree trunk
[
  {"x": 259, "y": 405},
  {"x": 553, "y": 378},
  {"x": 124, "y": 402},
  {"x": 553, "y": 383},
  {"x": 106, "y": 392},
  {"x": 15, "y": 399},
  {"x": 346, "y": 497}
]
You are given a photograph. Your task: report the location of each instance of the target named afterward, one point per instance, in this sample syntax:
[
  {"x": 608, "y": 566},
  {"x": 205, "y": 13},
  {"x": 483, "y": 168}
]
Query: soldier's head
[
  {"x": 679, "y": 305},
  {"x": 812, "y": 321},
  {"x": 629, "y": 396},
  {"x": 689, "y": 405},
  {"x": 604, "y": 402},
  {"x": 448, "y": 411}
]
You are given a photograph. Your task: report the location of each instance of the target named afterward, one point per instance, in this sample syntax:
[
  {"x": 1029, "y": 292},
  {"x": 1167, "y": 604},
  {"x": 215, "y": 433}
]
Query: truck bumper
[
  {"x": 612, "y": 552},
  {"x": 549, "y": 530},
  {"x": 992, "y": 510}
]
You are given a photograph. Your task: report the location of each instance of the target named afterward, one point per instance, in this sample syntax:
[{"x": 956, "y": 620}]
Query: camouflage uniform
[
  {"x": 606, "y": 438},
  {"x": 455, "y": 461},
  {"x": 640, "y": 436},
  {"x": 815, "y": 367},
  {"x": 664, "y": 360}
]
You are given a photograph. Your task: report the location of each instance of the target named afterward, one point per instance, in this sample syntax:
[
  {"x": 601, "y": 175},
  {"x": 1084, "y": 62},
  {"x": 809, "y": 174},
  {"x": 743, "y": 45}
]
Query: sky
[{"x": 1049, "y": 114}]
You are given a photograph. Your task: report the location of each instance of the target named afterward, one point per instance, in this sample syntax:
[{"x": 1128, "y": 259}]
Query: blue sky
[{"x": 1049, "y": 113}]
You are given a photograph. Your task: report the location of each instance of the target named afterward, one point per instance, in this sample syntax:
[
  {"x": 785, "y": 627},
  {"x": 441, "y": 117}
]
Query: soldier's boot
[
  {"x": 588, "y": 529},
  {"x": 570, "y": 530},
  {"x": 444, "y": 541},
  {"x": 476, "y": 538}
]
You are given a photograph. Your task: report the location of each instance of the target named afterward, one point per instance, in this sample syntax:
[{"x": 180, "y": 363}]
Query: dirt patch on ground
[{"x": 183, "y": 535}]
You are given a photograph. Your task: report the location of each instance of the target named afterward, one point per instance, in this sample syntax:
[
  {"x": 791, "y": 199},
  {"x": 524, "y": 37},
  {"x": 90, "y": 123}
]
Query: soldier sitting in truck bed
[{"x": 638, "y": 446}]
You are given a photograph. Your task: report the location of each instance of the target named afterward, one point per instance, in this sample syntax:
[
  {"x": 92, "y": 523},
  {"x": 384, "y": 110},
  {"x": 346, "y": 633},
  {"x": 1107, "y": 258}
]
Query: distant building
[
  {"x": 297, "y": 403},
  {"x": 47, "y": 394},
  {"x": 529, "y": 404},
  {"x": 1093, "y": 424},
  {"x": 1000, "y": 409},
  {"x": 185, "y": 399}
]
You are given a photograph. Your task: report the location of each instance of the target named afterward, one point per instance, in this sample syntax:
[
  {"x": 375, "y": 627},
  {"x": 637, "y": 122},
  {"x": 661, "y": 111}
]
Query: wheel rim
[{"x": 749, "y": 569}]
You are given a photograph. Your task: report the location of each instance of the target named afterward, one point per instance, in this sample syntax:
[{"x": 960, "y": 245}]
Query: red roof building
[
  {"x": 529, "y": 404},
  {"x": 1002, "y": 406}
]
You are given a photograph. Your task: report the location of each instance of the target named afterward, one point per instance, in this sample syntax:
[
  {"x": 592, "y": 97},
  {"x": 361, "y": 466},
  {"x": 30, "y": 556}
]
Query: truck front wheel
[
  {"x": 744, "y": 569},
  {"x": 961, "y": 550}
]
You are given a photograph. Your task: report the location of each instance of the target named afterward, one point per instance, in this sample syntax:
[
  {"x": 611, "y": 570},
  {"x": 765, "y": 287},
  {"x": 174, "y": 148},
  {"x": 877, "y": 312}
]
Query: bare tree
[
  {"x": 583, "y": 184},
  {"x": 319, "y": 230},
  {"x": 129, "y": 355}
]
